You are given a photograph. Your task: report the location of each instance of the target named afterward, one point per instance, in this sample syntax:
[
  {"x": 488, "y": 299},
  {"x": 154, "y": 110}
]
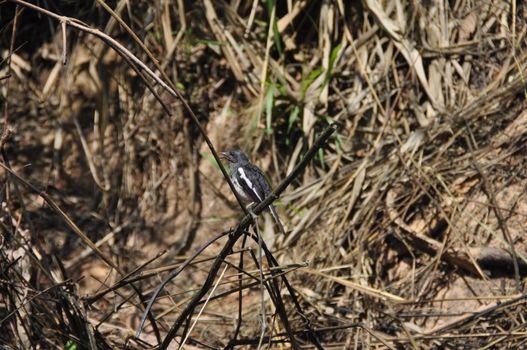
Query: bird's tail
[{"x": 277, "y": 219}]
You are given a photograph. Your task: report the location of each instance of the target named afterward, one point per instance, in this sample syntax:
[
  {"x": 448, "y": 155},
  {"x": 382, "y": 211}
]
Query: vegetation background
[{"x": 406, "y": 231}]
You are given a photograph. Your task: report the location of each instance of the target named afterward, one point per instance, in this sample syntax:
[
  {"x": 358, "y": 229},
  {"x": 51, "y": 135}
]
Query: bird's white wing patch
[{"x": 248, "y": 182}]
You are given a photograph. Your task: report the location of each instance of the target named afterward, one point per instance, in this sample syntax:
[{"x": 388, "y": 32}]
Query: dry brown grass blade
[
  {"x": 357, "y": 286},
  {"x": 221, "y": 35},
  {"x": 407, "y": 48},
  {"x": 457, "y": 322}
]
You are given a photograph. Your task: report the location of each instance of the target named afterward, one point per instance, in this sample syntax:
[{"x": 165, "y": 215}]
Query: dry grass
[{"x": 407, "y": 231}]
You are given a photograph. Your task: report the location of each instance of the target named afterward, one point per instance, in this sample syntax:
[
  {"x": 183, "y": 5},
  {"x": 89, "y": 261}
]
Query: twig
[
  {"x": 134, "y": 277},
  {"x": 173, "y": 275},
  {"x": 272, "y": 262},
  {"x": 234, "y": 236},
  {"x": 6, "y": 132},
  {"x": 240, "y": 284},
  {"x": 262, "y": 290},
  {"x": 203, "y": 308},
  {"x": 280, "y": 272},
  {"x": 492, "y": 198},
  {"x": 487, "y": 310}
]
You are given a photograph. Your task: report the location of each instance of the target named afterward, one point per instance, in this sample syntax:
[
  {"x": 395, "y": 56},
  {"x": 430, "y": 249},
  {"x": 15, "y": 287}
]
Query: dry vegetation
[{"x": 407, "y": 230}]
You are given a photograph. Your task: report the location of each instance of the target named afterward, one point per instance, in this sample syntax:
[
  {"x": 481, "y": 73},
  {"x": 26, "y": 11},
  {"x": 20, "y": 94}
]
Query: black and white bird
[{"x": 249, "y": 181}]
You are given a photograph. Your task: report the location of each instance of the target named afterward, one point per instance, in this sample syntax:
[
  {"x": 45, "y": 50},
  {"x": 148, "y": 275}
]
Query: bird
[{"x": 249, "y": 181}]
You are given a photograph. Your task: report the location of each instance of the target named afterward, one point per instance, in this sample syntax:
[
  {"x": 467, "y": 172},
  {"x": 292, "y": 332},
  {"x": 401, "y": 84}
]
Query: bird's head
[{"x": 234, "y": 157}]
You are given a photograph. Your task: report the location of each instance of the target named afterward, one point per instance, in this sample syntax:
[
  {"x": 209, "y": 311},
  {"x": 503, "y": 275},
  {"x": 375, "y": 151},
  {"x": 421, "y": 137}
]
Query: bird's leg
[{"x": 251, "y": 212}]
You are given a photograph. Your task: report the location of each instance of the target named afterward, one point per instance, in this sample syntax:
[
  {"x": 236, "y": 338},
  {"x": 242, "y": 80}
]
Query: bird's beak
[{"x": 224, "y": 155}]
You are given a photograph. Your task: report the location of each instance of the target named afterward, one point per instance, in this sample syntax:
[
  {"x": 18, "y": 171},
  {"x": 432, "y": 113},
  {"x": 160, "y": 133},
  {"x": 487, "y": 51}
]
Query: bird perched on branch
[{"x": 249, "y": 181}]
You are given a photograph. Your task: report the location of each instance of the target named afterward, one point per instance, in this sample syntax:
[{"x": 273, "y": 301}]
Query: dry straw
[{"x": 406, "y": 231}]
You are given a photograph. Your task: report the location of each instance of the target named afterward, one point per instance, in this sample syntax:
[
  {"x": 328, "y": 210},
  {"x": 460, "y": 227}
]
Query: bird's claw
[{"x": 253, "y": 215}]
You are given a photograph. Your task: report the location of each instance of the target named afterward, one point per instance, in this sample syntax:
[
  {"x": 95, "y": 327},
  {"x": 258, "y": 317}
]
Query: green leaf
[
  {"x": 70, "y": 345},
  {"x": 312, "y": 76},
  {"x": 253, "y": 125},
  {"x": 281, "y": 89},
  {"x": 338, "y": 143},
  {"x": 269, "y": 100},
  {"x": 332, "y": 58},
  {"x": 180, "y": 86},
  {"x": 321, "y": 157},
  {"x": 277, "y": 39},
  {"x": 293, "y": 117},
  {"x": 276, "y": 35},
  {"x": 209, "y": 42}
]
